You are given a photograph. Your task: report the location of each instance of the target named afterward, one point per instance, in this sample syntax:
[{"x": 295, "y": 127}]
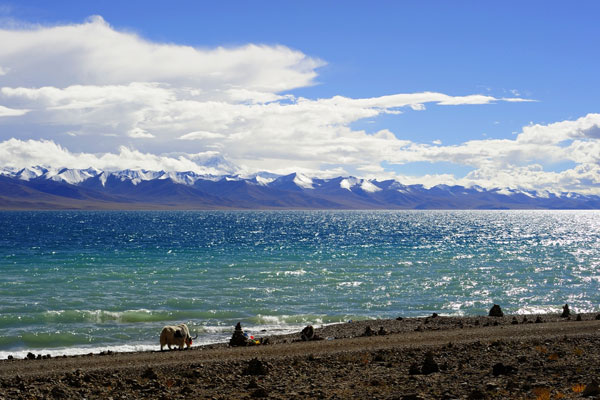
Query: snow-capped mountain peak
[{"x": 156, "y": 189}]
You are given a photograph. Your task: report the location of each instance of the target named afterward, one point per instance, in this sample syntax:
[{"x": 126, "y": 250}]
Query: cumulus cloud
[
  {"x": 93, "y": 53},
  {"x": 587, "y": 127}
]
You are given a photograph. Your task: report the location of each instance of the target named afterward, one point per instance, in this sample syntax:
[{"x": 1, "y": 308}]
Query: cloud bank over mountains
[{"x": 88, "y": 95}]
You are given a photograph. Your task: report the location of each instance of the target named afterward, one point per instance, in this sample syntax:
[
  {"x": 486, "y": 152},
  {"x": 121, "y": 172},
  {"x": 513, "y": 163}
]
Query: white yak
[{"x": 178, "y": 335}]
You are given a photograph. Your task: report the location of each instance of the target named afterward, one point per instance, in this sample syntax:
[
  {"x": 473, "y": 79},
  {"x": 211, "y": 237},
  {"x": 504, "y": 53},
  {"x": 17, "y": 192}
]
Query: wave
[
  {"x": 105, "y": 316},
  {"x": 73, "y": 351},
  {"x": 300, "y": 320}
]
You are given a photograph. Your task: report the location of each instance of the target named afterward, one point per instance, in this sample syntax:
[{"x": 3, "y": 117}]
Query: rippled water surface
[{"x": 81, "y": 281}]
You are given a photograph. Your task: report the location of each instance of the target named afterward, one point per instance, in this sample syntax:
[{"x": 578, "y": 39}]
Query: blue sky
[{"x": 540, "y": 51}]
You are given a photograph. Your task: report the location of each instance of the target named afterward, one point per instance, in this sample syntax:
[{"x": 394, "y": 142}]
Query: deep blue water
[{"x": 87, "y": 281}]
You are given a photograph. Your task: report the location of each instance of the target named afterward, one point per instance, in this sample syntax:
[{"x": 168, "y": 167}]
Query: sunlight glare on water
[{"x": 101, "y": 279}]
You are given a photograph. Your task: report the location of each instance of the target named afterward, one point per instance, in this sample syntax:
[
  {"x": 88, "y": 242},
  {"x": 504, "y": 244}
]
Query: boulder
[
  {"x": 496, "y": 311},
  {"x": 566, "y": 312}
]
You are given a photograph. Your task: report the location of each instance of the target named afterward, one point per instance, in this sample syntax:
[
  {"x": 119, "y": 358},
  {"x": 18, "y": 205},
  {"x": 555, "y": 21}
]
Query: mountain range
[{"x": 44, "y": 188}]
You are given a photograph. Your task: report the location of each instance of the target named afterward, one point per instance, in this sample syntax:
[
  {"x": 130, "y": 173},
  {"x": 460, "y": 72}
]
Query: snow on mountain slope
[
  {"x": 303, "y": 181},
  {"x": 27, "y": 174},
  {"x": 294, "y": 190},
  {"x": 368, "y": 186},
  {"x": 364, "y": 184},
  {"x": 72, "y": 176}
]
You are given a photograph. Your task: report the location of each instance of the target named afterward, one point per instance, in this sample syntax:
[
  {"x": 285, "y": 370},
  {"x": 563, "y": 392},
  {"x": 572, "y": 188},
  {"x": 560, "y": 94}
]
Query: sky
[{"x": 471, "y": 93}]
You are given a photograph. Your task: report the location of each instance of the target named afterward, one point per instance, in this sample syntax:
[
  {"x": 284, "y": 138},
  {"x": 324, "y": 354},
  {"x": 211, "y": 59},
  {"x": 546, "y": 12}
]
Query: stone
[
  {"x": 256, "y": 367},
  {"x": 400, "y": 318},
  {"x": 514, "y": 321},
  {"x": 308, "y": 333},
  {"x": 496, "y": 311},
  {"x": 260, "y": 393},
  {"x": 149, "y": 374},
  {"x": 414, "y": 369},
  {"x": 524, "y": 319},
  {"x": 566, "y": 312},
  {"x": 592, "y": 389},
  {"x": 579, "y": 317},
  {"x": 501, "y": 369},
  {"x": 30, "y": 356},
  {"x": 539, "y": 320},
  {"x": 476, "y": 395},
  {"x": 369, "y": 331},
  {"x": 186, "y": 390},
  {"x": 412, "y": 396},
  {"x": 252, "y": 384},
  {"x": 58, "y": 392},
  {"x": 238, "y": 338},
  {"x": 429, "y": 365},
  {"x": 434, "y": 315},
  {"x": 382, "y": 331},
  {"x": 597, "y": 317}
]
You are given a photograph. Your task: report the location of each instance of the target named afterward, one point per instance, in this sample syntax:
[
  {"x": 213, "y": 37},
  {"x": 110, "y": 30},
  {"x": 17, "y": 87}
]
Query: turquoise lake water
[{"x": 80, "y": 282}]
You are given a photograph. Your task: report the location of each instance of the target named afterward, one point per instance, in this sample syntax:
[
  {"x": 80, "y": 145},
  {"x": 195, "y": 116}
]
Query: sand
[{"x": 418, "y": 358}]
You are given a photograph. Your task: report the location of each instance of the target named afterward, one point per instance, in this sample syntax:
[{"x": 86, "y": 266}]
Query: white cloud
[
  {"x": 139, "y": 133},
  {"x": 20, "y": 154},
  {"x": 199, "y": 135},
  {"x": 9, "y": 112},
  {"x": 93, "y": 53},
  {"x": 181, "y": 101},
  {"x": 587, "y": 127}
]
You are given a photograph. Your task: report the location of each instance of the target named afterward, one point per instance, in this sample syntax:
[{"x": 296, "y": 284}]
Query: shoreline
[
  {"x": 345, "y": 331},
  {"x": 551, "y": 357}
]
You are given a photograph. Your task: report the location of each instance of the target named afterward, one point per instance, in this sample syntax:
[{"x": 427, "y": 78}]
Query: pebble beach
[{"x": 437, "y": 357}]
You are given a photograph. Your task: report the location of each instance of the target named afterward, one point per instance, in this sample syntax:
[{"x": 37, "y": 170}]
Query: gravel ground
[{"x": 414, "y": 358}]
